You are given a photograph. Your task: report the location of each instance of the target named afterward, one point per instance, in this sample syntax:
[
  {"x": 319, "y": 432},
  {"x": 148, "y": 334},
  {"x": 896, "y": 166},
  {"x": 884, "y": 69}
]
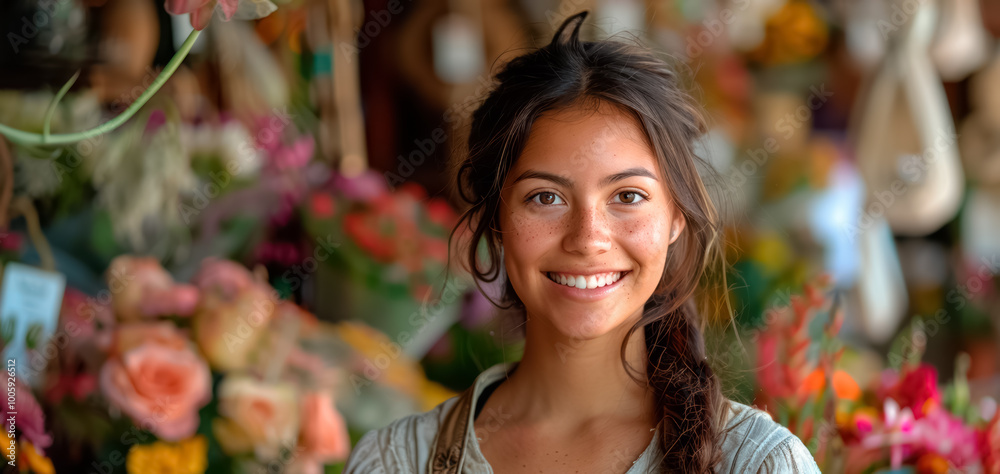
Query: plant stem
[
  {"x": 47, "y": 123},
  {"x": 28, "y": 138}
]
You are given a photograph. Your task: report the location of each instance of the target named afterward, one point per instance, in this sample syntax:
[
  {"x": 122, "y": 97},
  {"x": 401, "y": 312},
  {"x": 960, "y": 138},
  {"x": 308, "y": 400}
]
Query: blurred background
[{"x": 251, "y": 271}]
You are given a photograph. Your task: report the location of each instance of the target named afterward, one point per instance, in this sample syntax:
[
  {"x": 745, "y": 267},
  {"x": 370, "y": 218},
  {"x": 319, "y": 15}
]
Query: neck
[{"x": 579, "y": 381}]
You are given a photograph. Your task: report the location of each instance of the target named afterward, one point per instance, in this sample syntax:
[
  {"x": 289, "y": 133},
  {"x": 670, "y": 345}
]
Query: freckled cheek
[
  {"x": 645, "y": 239},
  {"x": 526, "y": 239},
  {"x": 646, "y": 231}
]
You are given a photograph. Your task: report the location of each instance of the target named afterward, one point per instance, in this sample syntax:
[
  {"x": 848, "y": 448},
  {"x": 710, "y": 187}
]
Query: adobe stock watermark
[
  {"x": 253, "y": 321},
  {"x": 902, "y": 12},
  {"x": 30, "y": 27},
  {"x": 289, "y": 452},
  {"x": 912, "y": 171},
  {"x": 493, "y": 421},
  {"x": 787, "y": 126},
  {"x": 416, "y": 158},
  {"x": 459, "y": 111},
  {"x": 715, "y": 27},
  {"x": 372, "y": 28}
]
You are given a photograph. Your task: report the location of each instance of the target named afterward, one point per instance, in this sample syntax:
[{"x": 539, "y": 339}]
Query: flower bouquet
[
  {"x": 902, "y": 421},
  {"x": 389, "y": 265},
  {"x": 215, "y": 375}
]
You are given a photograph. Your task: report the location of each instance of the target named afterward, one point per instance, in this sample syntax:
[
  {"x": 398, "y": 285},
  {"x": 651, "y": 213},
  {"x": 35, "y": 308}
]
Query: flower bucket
[{"x": 391, "y": 308}]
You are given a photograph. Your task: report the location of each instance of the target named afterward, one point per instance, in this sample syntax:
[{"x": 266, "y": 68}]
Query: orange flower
[
  {"x": 813, "y": 383},
  {"x": 931, "y": 463},
  {"x": 845, "y": 387}
]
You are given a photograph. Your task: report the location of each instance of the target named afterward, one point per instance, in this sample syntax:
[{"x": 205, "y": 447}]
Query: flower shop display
[
  {"x": 900, "y": 420},
  {"x": 389, "y": 266},
  {"x": 215, "y": 375}
]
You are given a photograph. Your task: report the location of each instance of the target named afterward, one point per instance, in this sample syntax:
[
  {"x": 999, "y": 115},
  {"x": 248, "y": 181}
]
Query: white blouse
[{"x": 753, "y": 443}]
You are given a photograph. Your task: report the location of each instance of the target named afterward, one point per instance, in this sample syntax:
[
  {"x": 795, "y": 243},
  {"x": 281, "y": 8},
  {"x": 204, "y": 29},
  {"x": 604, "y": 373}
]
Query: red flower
[
  {"x": 917, "y": 390},
  {"x": 991, "y": 445},
  {"x": 322, "y": 205},
  {"x": 364, "y": 230},
  {"x": 201, "y": 10},
  {"x": 10, "y": 241}
]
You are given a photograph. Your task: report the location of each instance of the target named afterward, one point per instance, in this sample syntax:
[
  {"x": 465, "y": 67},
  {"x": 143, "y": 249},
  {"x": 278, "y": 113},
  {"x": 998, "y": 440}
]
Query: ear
[{"x": 677, "y": 226}]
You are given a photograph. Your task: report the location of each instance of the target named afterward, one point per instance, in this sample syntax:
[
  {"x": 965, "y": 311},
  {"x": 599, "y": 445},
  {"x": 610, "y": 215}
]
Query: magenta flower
[
  {"x": 201, "y": 10},
  {"x": 364, "y": 187},
  {"x": 898, "y": 432},
  {"x": 947, "y": 435}
]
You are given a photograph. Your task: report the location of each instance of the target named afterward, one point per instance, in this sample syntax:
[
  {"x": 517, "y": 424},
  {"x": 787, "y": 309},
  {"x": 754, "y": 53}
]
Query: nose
[{"x": 588, "y": 231}]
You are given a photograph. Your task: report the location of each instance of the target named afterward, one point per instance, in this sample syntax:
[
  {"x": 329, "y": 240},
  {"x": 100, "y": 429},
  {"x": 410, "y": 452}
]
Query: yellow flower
[
  {"x": 185, "y": 457},
  {"x": 381, "y": 360},
  {"x": 34, "y": 460},
  {"x": 432, "y": 394}
]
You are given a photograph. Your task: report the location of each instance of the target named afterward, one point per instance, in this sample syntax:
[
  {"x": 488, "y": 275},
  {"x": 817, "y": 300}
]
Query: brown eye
[
  {"x": 546, "y": 198},
  {"x": 630, "y": 197}
]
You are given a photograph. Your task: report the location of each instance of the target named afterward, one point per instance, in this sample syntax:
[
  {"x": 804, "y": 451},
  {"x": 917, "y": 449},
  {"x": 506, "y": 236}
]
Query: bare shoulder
[
  {"x": 402, "y": 446},
  {"x": 756, "y": 443}
]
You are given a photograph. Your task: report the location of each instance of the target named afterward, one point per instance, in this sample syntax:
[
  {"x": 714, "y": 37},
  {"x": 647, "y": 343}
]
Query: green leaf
[
  {"x": 33, "y": 338},
  {"x": 7, "y": 328}
]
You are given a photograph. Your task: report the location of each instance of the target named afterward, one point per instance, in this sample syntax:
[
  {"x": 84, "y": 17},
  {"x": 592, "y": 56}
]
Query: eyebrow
[{"x": 566, "y": 182}]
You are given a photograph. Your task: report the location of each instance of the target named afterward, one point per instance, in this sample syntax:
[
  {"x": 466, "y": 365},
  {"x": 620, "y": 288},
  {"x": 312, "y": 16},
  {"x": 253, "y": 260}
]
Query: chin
[{"x": 590, "y": 323}]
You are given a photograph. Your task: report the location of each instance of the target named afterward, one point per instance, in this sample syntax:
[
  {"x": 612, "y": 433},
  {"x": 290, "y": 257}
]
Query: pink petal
[
  {"x": 201, "y": 16},
  {"x": 180, "y": 7},
  {"x": 229, "y": 8}
]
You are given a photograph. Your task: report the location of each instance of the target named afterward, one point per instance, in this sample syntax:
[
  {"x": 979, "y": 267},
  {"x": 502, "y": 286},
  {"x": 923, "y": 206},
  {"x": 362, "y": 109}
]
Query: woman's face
[{"x": 586, "y": 221}]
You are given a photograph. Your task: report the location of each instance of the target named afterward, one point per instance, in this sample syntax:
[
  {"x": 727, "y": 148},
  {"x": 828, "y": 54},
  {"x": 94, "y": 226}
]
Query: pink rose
[
  {"x": 140, "y": 287},
  {"x": 256, "y": 416},
  {"x": 324, "y": 433},
  {"x": 160, "y": 387}
]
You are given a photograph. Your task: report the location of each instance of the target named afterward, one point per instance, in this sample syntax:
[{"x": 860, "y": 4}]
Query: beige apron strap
[{"x": 449, "y": 444}]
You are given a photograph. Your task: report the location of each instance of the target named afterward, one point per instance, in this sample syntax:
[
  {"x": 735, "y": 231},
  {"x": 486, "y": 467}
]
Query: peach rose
[
  {"x": 160, "y": 387},
  {"x": 140, "y": 287},
  {"x": 256, "y": 416},
  {"x": 233, "y": 314},
  {"x": 324, "y": 436}
]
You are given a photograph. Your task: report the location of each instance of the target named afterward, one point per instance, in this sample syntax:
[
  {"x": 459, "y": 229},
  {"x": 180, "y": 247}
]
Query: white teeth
[{"x": 585, "y": 282}]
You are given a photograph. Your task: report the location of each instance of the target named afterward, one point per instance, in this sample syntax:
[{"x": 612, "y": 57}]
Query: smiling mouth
[{"x": 584, "y": 282}]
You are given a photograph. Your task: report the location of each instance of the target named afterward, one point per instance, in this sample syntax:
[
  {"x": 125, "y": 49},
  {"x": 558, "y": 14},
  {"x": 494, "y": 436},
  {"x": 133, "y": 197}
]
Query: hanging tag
[{"x": 30, "y": 299}]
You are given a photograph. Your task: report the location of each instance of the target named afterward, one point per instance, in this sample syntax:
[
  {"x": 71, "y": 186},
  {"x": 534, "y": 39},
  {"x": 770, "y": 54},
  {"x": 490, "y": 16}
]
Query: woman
[{"x": 582, "y": 182}]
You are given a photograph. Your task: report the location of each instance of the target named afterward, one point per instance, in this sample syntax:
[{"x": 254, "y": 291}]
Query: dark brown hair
[{"x": 567, "y": 72}]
